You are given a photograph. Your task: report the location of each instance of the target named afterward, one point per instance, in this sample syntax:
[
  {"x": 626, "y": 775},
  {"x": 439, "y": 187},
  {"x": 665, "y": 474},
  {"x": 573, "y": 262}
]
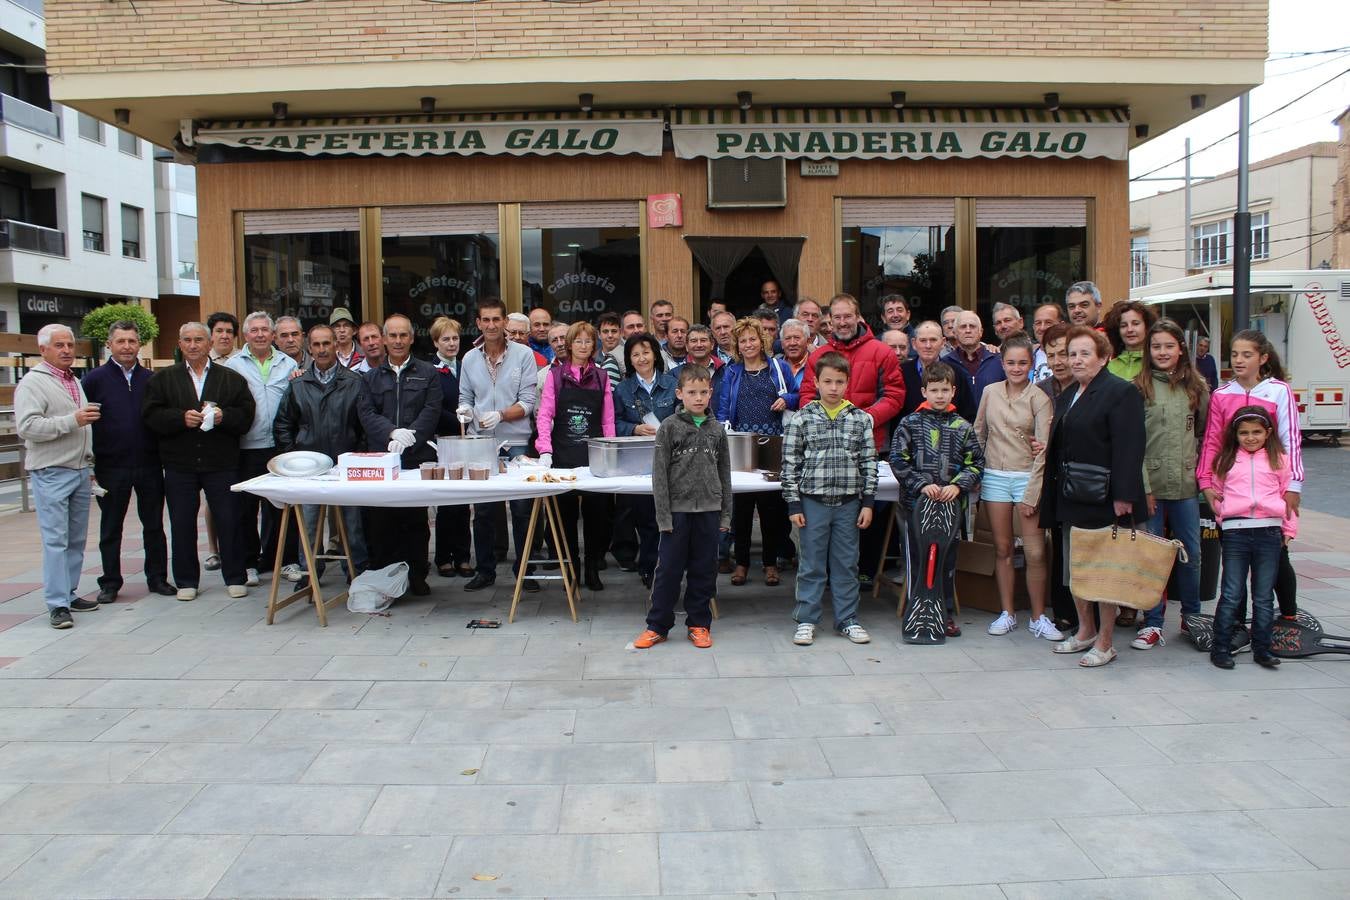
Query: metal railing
[
  {"x": 33, "y": 238},
  {"x": 29, "y": 117}
]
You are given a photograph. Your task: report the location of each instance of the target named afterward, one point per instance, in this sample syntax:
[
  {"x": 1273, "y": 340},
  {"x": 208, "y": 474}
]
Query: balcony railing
[
  {"x": 30, "y": 117},
  {"x": 33, "y": 238}
]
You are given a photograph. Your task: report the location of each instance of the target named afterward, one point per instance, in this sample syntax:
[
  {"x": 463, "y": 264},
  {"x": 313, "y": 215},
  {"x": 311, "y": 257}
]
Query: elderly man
[
  {"x": 126, "y": 459},
  {"x": 898, "y": 341},
  {"x": 808, "y": 312},
  {"x": 700, "y": 353},
  {"x": 319, "y": 413},
  {"x": 1084, "y": 302},
  {"x": 973, "y": 362},
  {"x": 267, "y": 371},
  {"x": 675, "y": 347},
  {"x": 948, "y": 319},
  {"x": 662, "y": 311},
  {"x": 723, "y": 328},
  {"x": 557, "y": 340},
  {"x": 518, "y": 331},
  {"x": 52, "y": 413},
  {"x": 1042, "y": 318},
  {"x": 224, "y": 332},
  {"x": 291, "y": 342},
  {"x": 399, "y": 410},
  {"x": 540, "y": 322},
  {"x": 1205, "y": 364},
  {"x": 929, "y": 345},
  {"x": 344, "y": 333},
  {"x": 1007, "y": 320},
  {"x": 796, "y": 337},
  {"x": 768, "y": 320},
  {"x": 771, "y": 297},
  {"x": 371, "y": 338},
  {"x": 200, "y": 410}
]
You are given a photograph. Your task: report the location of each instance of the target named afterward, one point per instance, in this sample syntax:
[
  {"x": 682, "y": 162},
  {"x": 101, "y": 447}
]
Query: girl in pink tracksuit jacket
[
  {"x": 1251, "y": 480},
  {"x": 1258, "y": 380}
]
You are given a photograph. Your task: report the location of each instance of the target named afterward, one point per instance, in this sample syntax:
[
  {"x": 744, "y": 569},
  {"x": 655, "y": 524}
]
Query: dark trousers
[
  {"x": 688, "y": 552},
  {"x": 257, "y": 536},
  {"x": 1255, "y": 551},
  {"x": 625, "y": 539},
  {"x": 485, "y": 519},
  {"x": 398, "y": 534},
  {"x": 148, "y": 483},
  {"x": 1286, "y": 586},
  {"x": 643, "y": 510},
  {"x": 773, "y": 524},
  {"x": 869, "y": 542},
  {"x": 1061, "y": 598},
  {"x": 452, "y": 535},
  {"x": 597, "y": 511},
  {"x": 181, "y": 495}
]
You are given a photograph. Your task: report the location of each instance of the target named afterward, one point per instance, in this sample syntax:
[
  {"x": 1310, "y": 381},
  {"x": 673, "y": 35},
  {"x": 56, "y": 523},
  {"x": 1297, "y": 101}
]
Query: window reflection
[
  {"x": 427, "y": 276},
  {"x": 915, "y": 261},
  {"x": 1027, "y": 266},
  {"x": 578, "y": 273},
  {"x": 303, "y": 275}
]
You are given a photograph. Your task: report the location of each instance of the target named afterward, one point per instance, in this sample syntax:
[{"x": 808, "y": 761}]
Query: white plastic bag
[{"x": 375, "y": 589}]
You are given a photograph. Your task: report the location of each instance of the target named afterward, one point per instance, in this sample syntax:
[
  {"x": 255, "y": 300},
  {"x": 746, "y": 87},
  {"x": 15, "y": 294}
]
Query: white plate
[{"x": 300, "y": 464}]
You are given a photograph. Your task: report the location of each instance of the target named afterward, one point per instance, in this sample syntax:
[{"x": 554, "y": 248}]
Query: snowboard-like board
[
  {"x": 1304, "y": 637},
  {"x": 932, "y": 535},
  {"x": 1200, "y": 629}
]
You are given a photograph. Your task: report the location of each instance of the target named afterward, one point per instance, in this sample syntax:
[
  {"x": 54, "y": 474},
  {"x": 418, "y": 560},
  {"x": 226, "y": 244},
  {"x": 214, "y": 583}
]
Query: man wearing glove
[
  {"x": 399, "y": 408},
  {"x": 497, "y": 396}
]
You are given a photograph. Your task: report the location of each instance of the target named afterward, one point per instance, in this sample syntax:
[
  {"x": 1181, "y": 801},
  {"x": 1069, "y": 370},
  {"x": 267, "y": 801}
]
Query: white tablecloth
[
  {"x": 409, "y": 489},
  {"x": 741, "y": 483}
]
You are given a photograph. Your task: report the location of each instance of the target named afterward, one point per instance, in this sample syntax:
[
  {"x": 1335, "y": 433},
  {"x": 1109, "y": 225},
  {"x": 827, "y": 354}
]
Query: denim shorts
[{"x": 1003, "y": 487}]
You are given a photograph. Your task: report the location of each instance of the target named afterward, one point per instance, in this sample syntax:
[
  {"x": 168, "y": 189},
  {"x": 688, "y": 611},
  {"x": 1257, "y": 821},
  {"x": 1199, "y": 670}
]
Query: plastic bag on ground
[{"x": 375, "y": 589}]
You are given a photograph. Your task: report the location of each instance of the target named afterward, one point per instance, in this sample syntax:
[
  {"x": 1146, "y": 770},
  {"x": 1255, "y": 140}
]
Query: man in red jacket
[{"x": 875, "y": 384}]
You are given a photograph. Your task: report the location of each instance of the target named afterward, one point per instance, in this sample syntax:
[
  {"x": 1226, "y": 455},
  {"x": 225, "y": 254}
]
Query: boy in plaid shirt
[{"x": 829, "y": 483}]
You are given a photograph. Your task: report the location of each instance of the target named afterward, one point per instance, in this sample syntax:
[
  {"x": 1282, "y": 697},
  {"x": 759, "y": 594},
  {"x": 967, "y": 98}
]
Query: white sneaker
[
  {"x": 1005, "y": 623},
  {"x": 806, "y": 634},
  {"x": 855, "y": 633},
  {"x": 1042, "y": 627},
  {"x": 292, "y": 572},
  {"x": 186, "y": 594},
  {"x": 252, "y": 579},
  {"x": 236, "y": 591}
]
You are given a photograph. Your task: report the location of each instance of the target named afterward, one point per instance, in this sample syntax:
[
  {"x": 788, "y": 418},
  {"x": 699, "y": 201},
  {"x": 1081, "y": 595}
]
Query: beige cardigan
[
  {"x": 1004, "y": 425},
  {"x": 45, "y": 416}
]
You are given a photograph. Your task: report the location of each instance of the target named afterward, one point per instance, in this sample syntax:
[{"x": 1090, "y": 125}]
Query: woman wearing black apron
[{"x": 576, "y": 404}]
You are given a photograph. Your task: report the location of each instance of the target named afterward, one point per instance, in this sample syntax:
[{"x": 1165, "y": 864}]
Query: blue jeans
[
  {"x": 62, "y": 497},
  {"x": 356, "y": 541},
  {"x": 1184, "y": 517},
  {"x": 1255, "y": 551},
  {"x": 829, "y": 553}
]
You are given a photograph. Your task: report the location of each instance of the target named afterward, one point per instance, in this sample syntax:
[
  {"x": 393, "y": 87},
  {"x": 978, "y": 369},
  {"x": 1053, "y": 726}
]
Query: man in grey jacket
[{"x": 52, "y": 416}]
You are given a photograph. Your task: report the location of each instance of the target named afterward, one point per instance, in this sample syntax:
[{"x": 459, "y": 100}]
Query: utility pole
[
  {"x": 1186, "y": 231},
  {"x": 1242, "y": 226}
]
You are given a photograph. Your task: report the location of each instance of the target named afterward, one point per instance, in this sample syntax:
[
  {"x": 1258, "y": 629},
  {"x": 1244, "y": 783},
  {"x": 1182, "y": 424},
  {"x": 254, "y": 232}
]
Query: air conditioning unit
[{"x": 741, "y": 183}]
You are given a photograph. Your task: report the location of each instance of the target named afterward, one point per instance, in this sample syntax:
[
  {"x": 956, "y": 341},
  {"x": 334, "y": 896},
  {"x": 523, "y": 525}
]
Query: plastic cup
[
  {"x": 454, "y": 471},
  {"x": 428, "y": 471},
  {"x": 438, "y": 473},
  {"x": 479, "y": 472}
]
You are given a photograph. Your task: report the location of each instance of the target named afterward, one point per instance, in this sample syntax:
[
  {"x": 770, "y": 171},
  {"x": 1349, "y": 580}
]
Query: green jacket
[
  {"x": 1127, "y": 365},
  {"x": 1172, "y": 444}
]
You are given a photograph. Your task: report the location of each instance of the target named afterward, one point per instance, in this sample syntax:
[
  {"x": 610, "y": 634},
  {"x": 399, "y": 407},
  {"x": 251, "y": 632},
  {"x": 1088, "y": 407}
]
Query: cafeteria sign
[{"x": 900, "y": 134}]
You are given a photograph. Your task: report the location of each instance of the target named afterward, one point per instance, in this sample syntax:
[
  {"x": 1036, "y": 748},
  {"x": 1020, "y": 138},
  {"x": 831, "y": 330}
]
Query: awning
[
  {"x": 460, "y": 134},
  {"x": 1183, "y": 296},
  {"x": 885, "y": 133}
]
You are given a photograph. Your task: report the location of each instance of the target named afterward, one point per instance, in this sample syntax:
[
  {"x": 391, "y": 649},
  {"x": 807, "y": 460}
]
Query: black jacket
[
  {"x": 1105, "y": 428},
  {"x": 449, "y": 425},
  {"x": 411, "y": 399},
  {"x": 318, "y": 416},
  {"x": 170, "y": 394},
  {"x": 963, "y": 400}
]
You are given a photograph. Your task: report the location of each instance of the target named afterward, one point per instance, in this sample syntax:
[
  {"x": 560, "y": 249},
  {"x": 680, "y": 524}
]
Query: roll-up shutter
[
  {"x": 604, "y": 214},
  {"x": 1031, "y": 212},
  {"x": 297, "y": 221},
  {"x": 410, "y": 221},
  {"x": 881, "y": 212}
]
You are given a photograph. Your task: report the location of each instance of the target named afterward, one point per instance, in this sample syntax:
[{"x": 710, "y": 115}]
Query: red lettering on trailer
[{"x": 1317, "y": 302}]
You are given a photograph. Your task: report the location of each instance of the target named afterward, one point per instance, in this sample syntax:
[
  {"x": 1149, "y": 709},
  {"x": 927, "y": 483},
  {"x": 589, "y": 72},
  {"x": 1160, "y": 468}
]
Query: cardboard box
[
  {"x": 976, "y": 587},
  {"x": 368, "y": 466}
]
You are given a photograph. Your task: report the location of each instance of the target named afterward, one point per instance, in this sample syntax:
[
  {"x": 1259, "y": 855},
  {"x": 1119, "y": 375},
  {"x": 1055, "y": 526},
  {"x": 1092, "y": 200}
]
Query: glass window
[
  {"x": 128, "y": 143},
  {"x": 187, "y": 247},
  {"x": 428, "y": 276},
  {"x": 1210, "y": 243},
  {"x": 1261, "y": 235},
  {"x": 303, "y": 274},
  {"x": 1027, "y": 266},
  {"x": 578, "y": 273},
  {"x": 1138, "y": 262},
  {"x": 90, "y": 128},
  {"x": 917, "y": 262},
  {"x": 94, "y": 222},
  {"x": 131, "y": 232}
]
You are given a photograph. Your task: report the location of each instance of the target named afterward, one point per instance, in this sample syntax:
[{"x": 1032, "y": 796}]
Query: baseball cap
[{"x": 340, "y": 314}]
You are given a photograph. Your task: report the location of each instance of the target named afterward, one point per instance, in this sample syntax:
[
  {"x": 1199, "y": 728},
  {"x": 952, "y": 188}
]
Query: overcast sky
[{"x": 1296, "y": 26}]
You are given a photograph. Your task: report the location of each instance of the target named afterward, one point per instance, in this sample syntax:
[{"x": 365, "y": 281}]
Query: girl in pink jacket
[{"x": 1251, "y": 478}]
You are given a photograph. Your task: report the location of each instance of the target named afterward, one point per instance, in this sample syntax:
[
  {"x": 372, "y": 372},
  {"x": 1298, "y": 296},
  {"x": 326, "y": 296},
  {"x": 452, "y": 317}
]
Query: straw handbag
[{"x": 1108, "y": 565}]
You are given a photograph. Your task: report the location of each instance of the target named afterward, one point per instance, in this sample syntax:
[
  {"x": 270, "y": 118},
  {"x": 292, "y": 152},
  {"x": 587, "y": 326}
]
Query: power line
[
  {"x": 1294, "y": 54},
  {"x": 1297, "y": 237}
]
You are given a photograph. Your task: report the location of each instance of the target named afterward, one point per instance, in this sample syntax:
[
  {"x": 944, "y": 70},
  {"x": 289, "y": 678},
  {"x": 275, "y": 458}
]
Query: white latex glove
[
  {"x": 404, "y": 436},
  {"x": 489, "y": 420},
  {"x": 395, "y": 447},
  {"x": 546, "y": 460},
  {"x": 208, "y": 419},
  {"x": 464, "y": 414}
]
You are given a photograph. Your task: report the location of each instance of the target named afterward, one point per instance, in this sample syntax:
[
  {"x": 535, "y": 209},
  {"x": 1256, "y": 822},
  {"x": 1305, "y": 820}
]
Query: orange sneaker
[
  {"x": 647, "y": 639},
  {"x": 700, "y": 638}
]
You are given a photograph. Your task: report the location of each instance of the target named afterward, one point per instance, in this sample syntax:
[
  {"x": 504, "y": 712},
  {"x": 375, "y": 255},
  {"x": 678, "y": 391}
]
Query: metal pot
[
  {"x": 475, "y": 450},
  {"x": 751, "y": 452},
  {"x": 618, "y": 456}
]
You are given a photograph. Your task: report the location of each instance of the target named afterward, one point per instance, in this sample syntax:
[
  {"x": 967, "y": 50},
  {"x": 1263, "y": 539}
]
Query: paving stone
[
  {"x": 1249, "y": 706},
  {"x": 1160, "y": 887},
  {"x": 115, "y": 866},
  {"x": 1067, "y": 748},
  {"x": 976, "y": 853},
  {"x": 1231, "y": 743},
  {"x": 1327, "y": 779},
  {"x": 1231, "y": 843},
  {"x": 275, "y": 809},
  {"x": 958, "y": 892},
  {"x": 60, "y": 724},
  {"x": 651, "y": 724},
  {"x": 1018, "y": 796},
  {"x": 1204, "y": 786},
  {"x": 556, "y": 865},
  {"x": 669, "y": 660},
  {"x": 130, "y": 665},
  {"x": 739, "y": 760},
  {"x": 836, "y": 720},
  {"x": 258, "y": 668},
  {"x": 455, "y": 645},
  {"x": 39, "y": 692},
  {"x": 225, "y": 763},
  {"x": 638, "y": 808},
  {"x": 421, "y": 764},
  {"x": 134, "y": 694},
  {"x": 16, "y": 848},
  {"x": 391, "y": 668},
  {"x": 294, "y": 726},
  {"x": 800, "y": 859},
  {"x": 93, "y": 808},
  {"x": 225, "y": 725},
  {"x": 909, "y": 754},
  {"x": 359, "y": 866},
  {"x": 312, "y": 644},
  {"x": 512, "y": 668},
  {"x": 1322, "y": 836},
  {"x": 710, "y": 693},
  {"x": 847, "y": 802},
  {"x": 1321, "y": 885},
  {"x": 492, "y": 726},
  {"x": 568, "y": 764},
  {"x": 67, "y": 763},
  {"x": 811, "y": 690},
  {"x": 576, "y": 694},
  {"x": 811, "y": 661},
  {"x": 469, "y": 809},
  {"x": 1106, "y": 711},
  {"x": 945, "y": 716},
  {"x": 431, "y": 695},
  {"x": 892, "y": 658},
  {"x": 294, "y": 695}
]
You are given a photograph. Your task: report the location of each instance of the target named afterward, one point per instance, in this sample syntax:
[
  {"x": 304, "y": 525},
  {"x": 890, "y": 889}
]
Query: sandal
[
  {"x": 738, "y": 578},
  {"x": 1095, "y": 657},
  {"x": 1126, "y": 618},
  {"x": 771, "y": 576},
  {"x": 1073, "y": 645}
]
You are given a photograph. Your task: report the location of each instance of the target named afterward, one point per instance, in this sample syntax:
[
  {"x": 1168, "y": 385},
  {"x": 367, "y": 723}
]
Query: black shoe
[
  {"x": 61, "y": 618},
  {"x": 480, "y": 581},
  {"x": 627, "y": 565},
  {"x": 1268, "y": 662},
  {"x": 591, "y": 578},
  {"x": 1223, "y": 662},
  {"x": 418, "y": 587},
  {"x": 530, "y": 586},
  {"x": 79, "y": 604},
  {"x": 646, "y": 578},
  {"x": 163, "y": 588},
  {"x": 724, "y": 567},
  {"x": 602, "y": 565},
  {"x": 107, "y": 595}
]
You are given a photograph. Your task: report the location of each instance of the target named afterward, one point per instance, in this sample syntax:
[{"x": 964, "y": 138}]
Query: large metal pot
[
  {"x": 478, "y": 449},
  {"x": 751, "y": 452},
  {"x": 618, "y": 456}
]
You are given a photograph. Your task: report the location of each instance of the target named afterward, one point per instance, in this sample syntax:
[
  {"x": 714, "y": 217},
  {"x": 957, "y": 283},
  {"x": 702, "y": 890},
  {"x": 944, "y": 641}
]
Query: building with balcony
[
  {"x": 76, "y": 194},
  {"x": 404, "y": 156}
]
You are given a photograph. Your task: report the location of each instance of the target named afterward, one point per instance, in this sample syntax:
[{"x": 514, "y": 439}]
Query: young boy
[
  {"x": 935, "y": 453},
  {"x": 829, "y": 483},
  {"x": 691, "y": 483}
]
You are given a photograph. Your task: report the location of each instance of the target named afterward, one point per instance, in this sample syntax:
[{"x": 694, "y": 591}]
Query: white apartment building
[{"x": 77, "y": 196}]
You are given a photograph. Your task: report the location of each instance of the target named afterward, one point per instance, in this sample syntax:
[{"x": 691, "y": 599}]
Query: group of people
[{"x": 1080, "y": 423}]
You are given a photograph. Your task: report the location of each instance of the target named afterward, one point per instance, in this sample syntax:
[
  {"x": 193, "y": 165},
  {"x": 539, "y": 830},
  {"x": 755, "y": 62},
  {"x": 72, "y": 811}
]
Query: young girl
[
  {"x": 1251, "y": 481},
  {"x": 1013, "y": 413},
  {"x": 1258, "y": 380}
]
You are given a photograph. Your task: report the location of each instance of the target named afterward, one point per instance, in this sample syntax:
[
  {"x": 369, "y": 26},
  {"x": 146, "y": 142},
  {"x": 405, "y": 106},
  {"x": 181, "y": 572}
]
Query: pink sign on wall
[{"x": 664, "y": 210}]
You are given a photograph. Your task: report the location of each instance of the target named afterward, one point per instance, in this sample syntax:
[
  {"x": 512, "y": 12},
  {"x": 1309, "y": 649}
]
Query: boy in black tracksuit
[{"x": 691, "y": 484}]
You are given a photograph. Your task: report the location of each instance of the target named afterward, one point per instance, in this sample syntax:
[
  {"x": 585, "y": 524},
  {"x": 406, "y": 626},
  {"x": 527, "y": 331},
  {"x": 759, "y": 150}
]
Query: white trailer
[{"x": 1306, "y": 315}]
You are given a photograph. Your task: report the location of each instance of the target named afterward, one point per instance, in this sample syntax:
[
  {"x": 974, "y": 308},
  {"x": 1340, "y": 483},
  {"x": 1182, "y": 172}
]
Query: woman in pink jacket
[
  {"x": 577, "y": 404},
  {"x": 1258, "y": 380}
]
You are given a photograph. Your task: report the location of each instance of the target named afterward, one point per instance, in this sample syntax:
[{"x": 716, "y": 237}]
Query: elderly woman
[
  {"x": 452, "y": 522},
  {"x": 576, "y": 404},
  {"x": 642, "y": 401},
  {"x": 1097, "y": 440}
]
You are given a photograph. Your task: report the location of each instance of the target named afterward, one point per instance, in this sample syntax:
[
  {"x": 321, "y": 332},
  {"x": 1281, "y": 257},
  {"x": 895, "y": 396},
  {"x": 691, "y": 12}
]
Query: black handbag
[{"x": 1085, "y": 483}]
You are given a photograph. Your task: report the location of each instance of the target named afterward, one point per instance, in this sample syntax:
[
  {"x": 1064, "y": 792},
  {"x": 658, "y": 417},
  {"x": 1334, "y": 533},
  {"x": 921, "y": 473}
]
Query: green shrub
[{"x": 95, "y": 325}]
